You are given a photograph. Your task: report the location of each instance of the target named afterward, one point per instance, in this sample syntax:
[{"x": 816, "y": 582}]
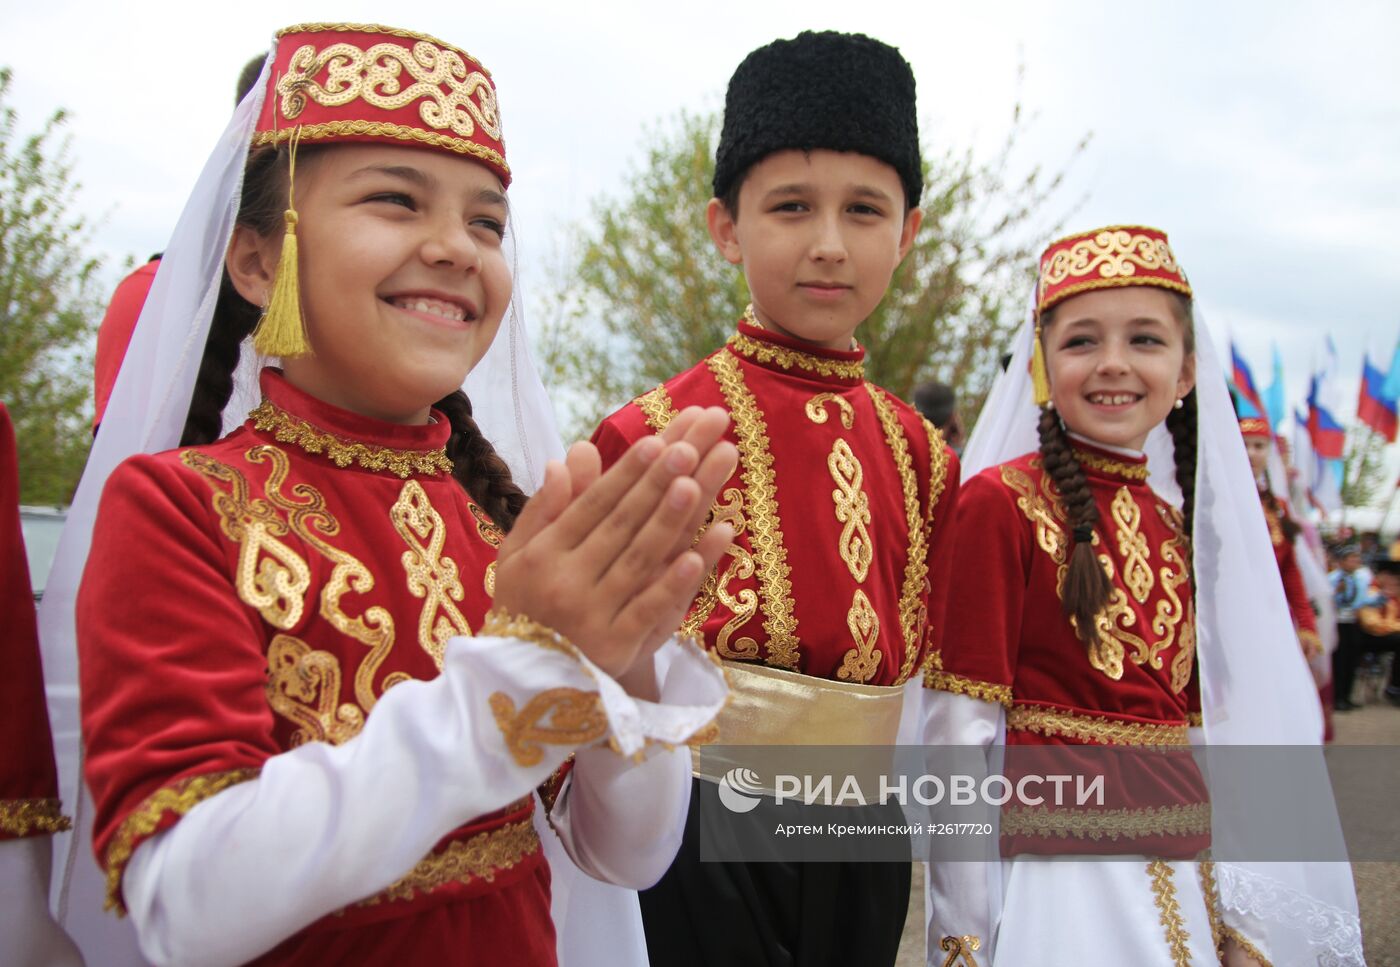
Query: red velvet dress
[
  {"x": 1304, "y": 618},
  {"x": 842, "y": 503},
  {"x": 1008, "y": 641},
  {"x": 264, "y": 591},
  {"x": 28, "y": 778}
]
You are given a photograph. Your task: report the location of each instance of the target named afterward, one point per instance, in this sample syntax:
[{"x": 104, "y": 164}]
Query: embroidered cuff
[
  {"x": 958, "y": 685},
  {"x": 31, "y": 817}
]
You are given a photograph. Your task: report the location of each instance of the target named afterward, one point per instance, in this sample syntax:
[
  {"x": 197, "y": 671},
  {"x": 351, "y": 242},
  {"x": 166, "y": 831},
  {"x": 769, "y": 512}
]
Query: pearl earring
[{"x": 1178, "y": 405}]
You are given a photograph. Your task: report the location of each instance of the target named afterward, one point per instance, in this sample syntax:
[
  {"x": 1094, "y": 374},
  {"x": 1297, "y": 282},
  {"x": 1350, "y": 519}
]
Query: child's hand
[{"x": 606, "y": 560}]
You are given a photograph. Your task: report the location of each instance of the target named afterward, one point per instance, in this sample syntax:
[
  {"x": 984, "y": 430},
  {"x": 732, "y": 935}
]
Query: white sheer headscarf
[
  {"x": 146, "y": 414},
  {"x": 1254, "y": 689}
]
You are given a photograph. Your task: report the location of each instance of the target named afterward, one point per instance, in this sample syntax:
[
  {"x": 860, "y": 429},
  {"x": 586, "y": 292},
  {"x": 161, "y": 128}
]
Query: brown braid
[
  {"x": 477, "y": 466},
  {"x": 1086, "y": 587},
  {"x": 1182, "y": 424}
]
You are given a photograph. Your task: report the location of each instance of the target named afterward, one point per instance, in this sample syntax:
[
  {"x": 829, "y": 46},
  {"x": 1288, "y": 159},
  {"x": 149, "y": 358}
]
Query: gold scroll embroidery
[
  {"x": 303, "y": 685},
  {"x": 1173, "y": 616},
  {"x": 1132, "y": 544},
  {"x": 756, "y": 463},
  {"x": 729, "y": 508},
  {"x": 488, "y": 580},
  {"x": 1205, "y": 868},
  {"x": 373, "y": 76},
  {"x": 1164, "y": 895},
  {"x": 958, "y": 685},
  {"x": 486, "y": 528},
  {"x": 657, "y": 407},
  {"x": 1116, "y": 468},
  {"x": 852, "y": 507},
  {"x": 1112, "y": 253},
  {"x": 765, "y": 352},
  {"x": 179, "y": 798},
  {"x": 916, "y": 560},
  {"x": 1094, "y": 728},
  {"x": 270, "y": 576},
  {"x": 286, "y": 428},
  {"x": 22, "y": 817},
  {"x": 556, "y": 716},
  {"x": 432, "y": 575},
  {"x": 960, "y": 950},
  {"x": 816, "y": 409},
  {"x": 1114, "y": 824},
  {"x": 861, "y": 662},
  {"x": 478, "y": 857}
]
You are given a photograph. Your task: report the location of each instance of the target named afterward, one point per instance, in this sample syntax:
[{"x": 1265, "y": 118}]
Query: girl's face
[
  {"x": 1118, "y": 362},
  {"x": 404, "y": 281},
  {"x": 1258, "y": 450}
]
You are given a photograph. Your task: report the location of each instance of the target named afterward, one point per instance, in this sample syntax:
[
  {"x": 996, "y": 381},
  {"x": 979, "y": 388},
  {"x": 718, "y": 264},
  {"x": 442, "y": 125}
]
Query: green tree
[
  {"x": 1363, "y": 466},
  {"x": 642, "y": 294},
  {"x": 49, "y": 305}
]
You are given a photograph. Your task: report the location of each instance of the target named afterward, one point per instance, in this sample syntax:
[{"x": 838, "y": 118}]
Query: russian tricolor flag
[
  {"x": 1373, "y": 408},
  {"x": 1327, "y": 435},
  {"x": 1244, "y": 384}
]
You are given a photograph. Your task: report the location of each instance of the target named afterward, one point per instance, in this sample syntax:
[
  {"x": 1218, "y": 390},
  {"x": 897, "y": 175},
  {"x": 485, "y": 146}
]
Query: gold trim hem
[{"x": 29, "y": 817}]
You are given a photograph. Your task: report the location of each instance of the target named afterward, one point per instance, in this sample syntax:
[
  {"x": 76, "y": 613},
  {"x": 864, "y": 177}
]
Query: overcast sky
[{"x": 1265, "y": 137}]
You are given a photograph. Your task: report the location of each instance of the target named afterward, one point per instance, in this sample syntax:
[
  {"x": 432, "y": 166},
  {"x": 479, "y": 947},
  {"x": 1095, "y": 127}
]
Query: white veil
[
  {"x": 1254, "y": 691},
  {"x": 146, "y": 414}
]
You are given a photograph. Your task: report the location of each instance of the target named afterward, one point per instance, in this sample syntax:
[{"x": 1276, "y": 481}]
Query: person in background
[
  {"x": 1378, "y": 621},
  {"x": 119, "y": 321},
  {"x": 938, "y": 402},
  {"x": 1351, "y": 583}
]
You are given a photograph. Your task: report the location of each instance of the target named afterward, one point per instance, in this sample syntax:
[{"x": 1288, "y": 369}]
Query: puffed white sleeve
[{"x": 323, "y": 826}]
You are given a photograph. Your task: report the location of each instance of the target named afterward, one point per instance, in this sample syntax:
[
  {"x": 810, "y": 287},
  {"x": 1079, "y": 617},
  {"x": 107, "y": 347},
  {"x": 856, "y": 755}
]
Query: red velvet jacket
[
  {"x": 28, "y": 777},
  {"x": 1009, "y": 641},
  {"x": 842, "y": 503},
  {"x": 263, "y": 591},
  {"x": 1304, "y": 619}
]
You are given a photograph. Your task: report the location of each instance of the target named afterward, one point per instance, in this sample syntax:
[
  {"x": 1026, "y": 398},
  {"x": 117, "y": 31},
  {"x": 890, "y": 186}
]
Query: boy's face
[{"x": 819, "y": 235}]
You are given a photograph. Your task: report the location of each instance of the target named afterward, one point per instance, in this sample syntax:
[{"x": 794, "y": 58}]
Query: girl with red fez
[
  {"x": 1127, "y": 599},
  {"x": 327, "y": 658}
]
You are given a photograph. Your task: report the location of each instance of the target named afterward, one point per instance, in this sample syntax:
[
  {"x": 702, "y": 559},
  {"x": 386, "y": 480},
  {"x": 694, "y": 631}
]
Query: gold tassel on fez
[
  {"x": 281, "y": 331},
  {"x": 1040, "y": 376}
]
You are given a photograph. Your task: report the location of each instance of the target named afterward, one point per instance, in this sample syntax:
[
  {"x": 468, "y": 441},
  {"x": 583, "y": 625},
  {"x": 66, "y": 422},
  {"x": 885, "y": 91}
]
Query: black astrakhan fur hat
[{"x": 842, "y": 92}]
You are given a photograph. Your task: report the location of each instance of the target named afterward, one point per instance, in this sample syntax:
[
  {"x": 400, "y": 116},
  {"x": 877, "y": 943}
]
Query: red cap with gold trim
[
  {"x": 366, "y": 83},
  {"x": 1253, "y": 426},
  {"x": 1116, "y": 255}
]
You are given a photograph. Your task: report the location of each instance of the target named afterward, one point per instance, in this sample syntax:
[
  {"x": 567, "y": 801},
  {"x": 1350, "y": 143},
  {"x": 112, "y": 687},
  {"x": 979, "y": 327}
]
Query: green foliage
[
  {"x": 48, "y": 306},
  {"x": 645, "y": 295},
  {"x": 1363, "y": 466}
]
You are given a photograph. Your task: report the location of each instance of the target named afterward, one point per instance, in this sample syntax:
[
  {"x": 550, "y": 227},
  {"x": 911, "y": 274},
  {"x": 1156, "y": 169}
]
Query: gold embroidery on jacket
[
  {"x": 852, "y": 507},
  {"x": 1180, "y": 619},
  {"x": 1164, "y": 895},
  {"x": 556, "y": 716},
  {"x": 816, "y": 409},
  {"x": 179, "y": 797},
  {"x": 1116, "y": 468},
  {"x": 478, "y": 857},
  {"x": 432, "y": 575},
  {"x": 765, "y": 352},
  {"x": 486, "y": 528},
  {"x": 21, "y": 817},
  {"x": 373, "y": 76},
  {"x": 1180, "y": 820},
  {"x": 1044, "y": 514},
  {"x": 960, "y": 950},
  {"x": 270, "y": 576},
  {"x": 959, "y": 685},
  {"x": 756, "y": 463},
  {"x": 488, "y": 580},
  {"x": 916, "y": 559},
  {"x": 938, "y": 470},
  {"x": 657, "y": 407},
  {"x": 740, "y": 567},
  {"x": 861, "y": 662},
  {"x": 285, "y": 428},
  {"x": 1094, "y": 728},
  {"x": 312, "y": 522},
  {"x": 303, "y": 686},
  {"x": 1132, "y": 544}
]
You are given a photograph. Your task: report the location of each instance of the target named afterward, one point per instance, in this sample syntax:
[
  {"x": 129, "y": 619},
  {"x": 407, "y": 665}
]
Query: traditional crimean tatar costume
[
  {"x": 308, "y": 738},
  {"x": 833, "y": 590},
  {"x": 1168, "y": 664}
]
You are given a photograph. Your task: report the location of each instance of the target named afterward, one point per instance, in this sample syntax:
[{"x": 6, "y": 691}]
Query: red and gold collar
[
  {"x": 1106, "y": 464},
  {"x": 754, "y": 344},
  {"x": 288, "y": 415}
]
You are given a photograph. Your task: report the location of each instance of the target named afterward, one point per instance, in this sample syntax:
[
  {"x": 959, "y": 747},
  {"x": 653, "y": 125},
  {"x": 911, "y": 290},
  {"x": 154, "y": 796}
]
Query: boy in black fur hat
[{"x": 831, "y": 596}]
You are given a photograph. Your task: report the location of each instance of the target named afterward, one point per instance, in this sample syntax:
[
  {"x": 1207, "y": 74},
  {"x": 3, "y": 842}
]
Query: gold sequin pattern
[
  {"x": 179, "y": 797},
  {"x": 657, "y": 407},
  {"x": 756, "y": 464},
  {"x": 1191, "y": 819},
  {"x": 1169, "y": 912},
  {"x": 431, "y": 574},
  {"x": 1094, "y": 728},
  {"x": 960, "y": 950},
  {"x": 1117, "y": 468},
  {"x": 1205, "y": 868},
  {"x": 556, "y": 716},
  {"x": 24, "y": 817},
  {"x": 860, "y": 663},
  {"x": 852, "y": 507},
  {"x": 501, "y": 624},
  {"x": 1114, "y": 253},
  {"x": 789, "y": 359},
  {"x": 916, "y": 560},
  {"x": 815, "y": 409},
  {"x": 382, "y": 129},
  {"x": 349, "y": 28},
  {"x": 478, "y": 857},
  {"x": 959, "y": 685},
  {"x": 303, "y": 686},
  {"x": 285, "y": 428},
  {"x": 1132, "y": 544}
]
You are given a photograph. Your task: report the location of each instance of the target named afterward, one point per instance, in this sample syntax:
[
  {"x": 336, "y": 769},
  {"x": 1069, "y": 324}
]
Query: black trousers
[
  {"x": 773, "y": 914},
  {"x": 1350, "y": 645}
]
